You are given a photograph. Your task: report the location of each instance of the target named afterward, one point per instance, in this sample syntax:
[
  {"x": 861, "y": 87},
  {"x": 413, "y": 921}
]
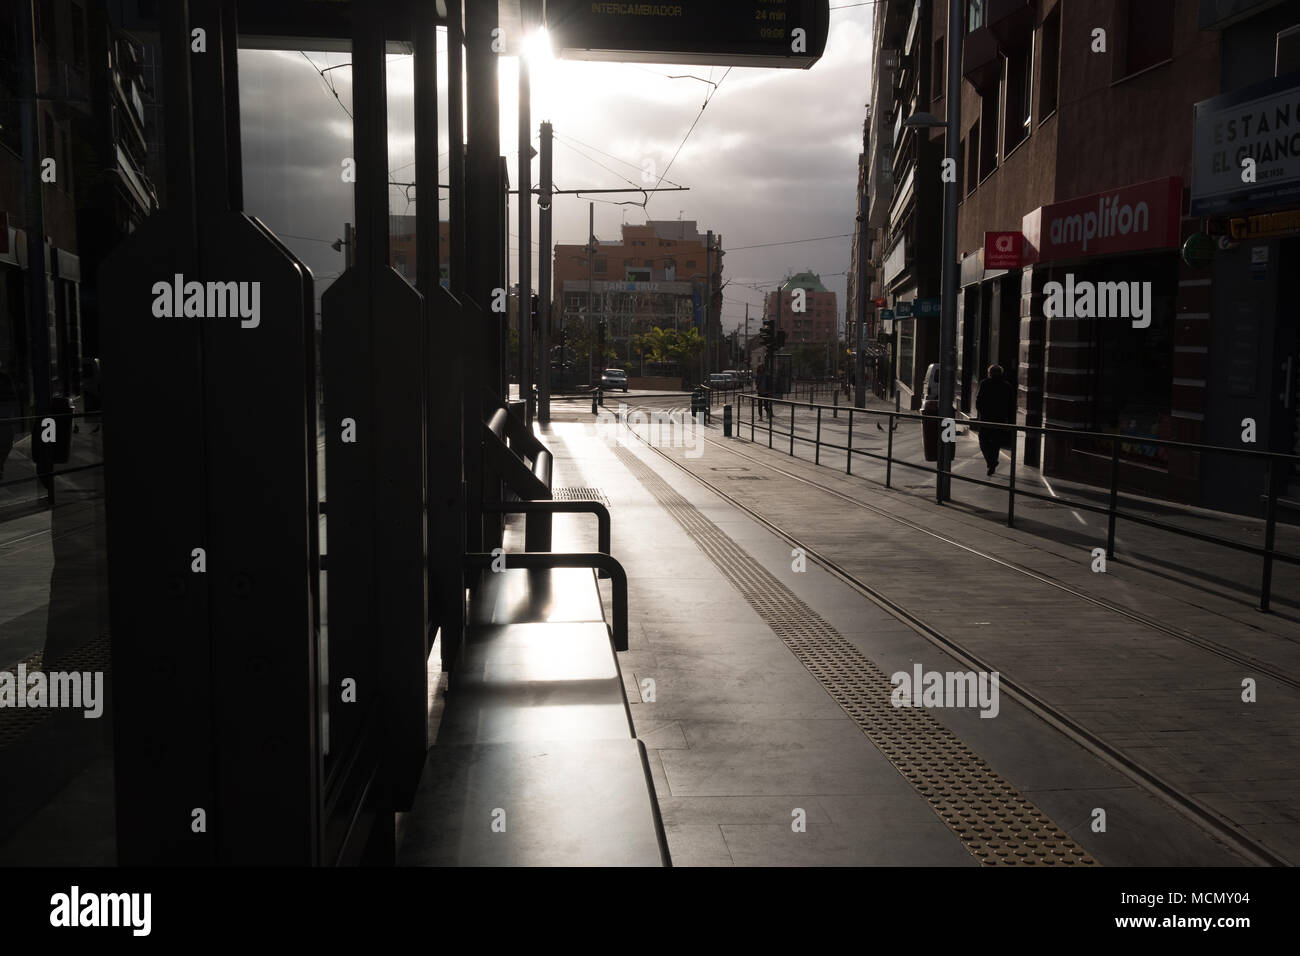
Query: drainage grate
[
  {"x": 579, "y": 494},
  {"x": 993, "y": 821}
]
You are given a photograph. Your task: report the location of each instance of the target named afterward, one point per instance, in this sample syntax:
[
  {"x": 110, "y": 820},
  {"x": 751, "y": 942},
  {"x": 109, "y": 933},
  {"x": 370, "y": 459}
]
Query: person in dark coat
[
  {"x": 995, "y": 402},
  {"x": 763, "y": 386}
]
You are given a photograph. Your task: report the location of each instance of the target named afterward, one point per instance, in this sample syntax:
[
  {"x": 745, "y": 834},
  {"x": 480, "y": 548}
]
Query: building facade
[
  {"x": 1097, "y": 139},
  {"x": 808, "y": 313},
  {"x": 662, "y": 274},
  {"x": 93, "y": 135}
]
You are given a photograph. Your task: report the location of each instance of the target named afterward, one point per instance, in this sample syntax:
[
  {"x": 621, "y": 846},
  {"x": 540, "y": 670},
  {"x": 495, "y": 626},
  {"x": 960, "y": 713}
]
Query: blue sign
[{"x": 927, "y": 308}]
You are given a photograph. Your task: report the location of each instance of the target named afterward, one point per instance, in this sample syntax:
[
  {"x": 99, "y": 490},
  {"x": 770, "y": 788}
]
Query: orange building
[{"x": 656, "y": 275}]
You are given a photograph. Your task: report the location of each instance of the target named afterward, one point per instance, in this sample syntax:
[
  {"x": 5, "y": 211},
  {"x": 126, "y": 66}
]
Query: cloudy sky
[{"x": 773, "y": 157}]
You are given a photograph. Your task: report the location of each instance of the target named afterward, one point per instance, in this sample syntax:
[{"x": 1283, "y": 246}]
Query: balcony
[
  {"x": 980, "y": 61},
  {"x": 1012, "y": 21}
]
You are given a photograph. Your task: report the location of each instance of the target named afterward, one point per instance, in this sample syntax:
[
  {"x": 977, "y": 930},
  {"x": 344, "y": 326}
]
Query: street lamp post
[{"x": 950, "y": 274}]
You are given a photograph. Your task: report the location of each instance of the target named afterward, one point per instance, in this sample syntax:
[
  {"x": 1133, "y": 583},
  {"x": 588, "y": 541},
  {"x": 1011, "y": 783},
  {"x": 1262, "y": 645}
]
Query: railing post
[
  {"x": 889, "y": 450},
  {"x": 1270, "y": 527},
  {"x": 835, "y": 413},
  {"x": 770, "y": 416},
  {"x": 1011, "y": 485},
  {"x": 848, "y": 448},
  {"x": 1114, "y": 497},
  {"x": 751, "y": 420},
  {"x": 792, "y": 429},
  {"x": 817, "y": 446}
]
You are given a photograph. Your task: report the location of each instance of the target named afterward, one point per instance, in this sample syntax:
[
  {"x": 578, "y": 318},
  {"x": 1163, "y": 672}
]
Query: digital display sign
[{"x": 762, "y": 33}]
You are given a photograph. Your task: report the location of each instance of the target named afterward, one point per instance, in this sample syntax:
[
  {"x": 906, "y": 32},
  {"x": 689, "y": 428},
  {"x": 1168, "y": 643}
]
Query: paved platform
[{"x": 764, "y": 695}]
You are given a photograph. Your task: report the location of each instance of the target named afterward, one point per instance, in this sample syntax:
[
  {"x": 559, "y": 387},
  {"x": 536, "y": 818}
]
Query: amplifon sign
[{"x": 1129, "y": 219}]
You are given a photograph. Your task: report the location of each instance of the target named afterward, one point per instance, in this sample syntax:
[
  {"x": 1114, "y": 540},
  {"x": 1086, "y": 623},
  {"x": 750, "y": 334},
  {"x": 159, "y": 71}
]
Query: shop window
[
  {"x": 1147, "y": 34},
  {"x": 905, "y": 332},
  {"x": 1050, "y": 71},
  {"x": 1133, "y": 378},
  {"x": 1017, "y": 81},
  {"x": 988, "y": 133}
]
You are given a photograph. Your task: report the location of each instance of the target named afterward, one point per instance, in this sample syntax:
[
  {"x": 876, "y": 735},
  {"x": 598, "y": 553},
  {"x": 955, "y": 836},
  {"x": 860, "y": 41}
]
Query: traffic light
[
  {"x": 767, "y": 333},
  {"x": 780, "y": 340}
]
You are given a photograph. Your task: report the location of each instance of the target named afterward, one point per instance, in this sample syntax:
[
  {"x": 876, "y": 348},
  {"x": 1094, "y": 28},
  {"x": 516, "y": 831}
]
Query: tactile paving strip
[
  {"x": 579, "y": 494},
  {"x": 998, "y": 825},
  {"x": 92, "y": 656}
]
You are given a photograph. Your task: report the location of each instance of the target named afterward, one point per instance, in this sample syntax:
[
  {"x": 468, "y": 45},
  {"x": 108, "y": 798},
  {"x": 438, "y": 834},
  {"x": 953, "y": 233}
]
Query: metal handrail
[
  {"x": 551, "y": 507},
  {"x": 1111, "y": 510},
  {"x": 546, "y": 560}
]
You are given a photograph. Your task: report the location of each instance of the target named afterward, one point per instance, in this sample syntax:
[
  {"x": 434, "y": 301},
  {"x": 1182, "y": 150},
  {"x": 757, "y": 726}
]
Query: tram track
[
  {"x": 1186, "y": 637},
  {"x": 1183, "y": 803}
]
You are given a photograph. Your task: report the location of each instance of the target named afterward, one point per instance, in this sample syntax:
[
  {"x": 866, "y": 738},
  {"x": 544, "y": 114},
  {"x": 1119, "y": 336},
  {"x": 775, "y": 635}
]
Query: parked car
[
  {"x": 614, "y": 379},
  {"x": 931, "y": 389},
  {"x": 719, "y": 380}
]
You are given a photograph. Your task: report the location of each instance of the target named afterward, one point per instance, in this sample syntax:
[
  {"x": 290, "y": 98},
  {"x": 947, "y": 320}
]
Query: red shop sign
[
  {"x": 1128, "y": 219},
  {"x": 1002, "y": 250}
]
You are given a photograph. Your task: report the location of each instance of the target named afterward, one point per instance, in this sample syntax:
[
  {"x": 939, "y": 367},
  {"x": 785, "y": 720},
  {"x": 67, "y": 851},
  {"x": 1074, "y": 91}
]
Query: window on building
[
  {"x": 1050, "y": 70},
  {"x": 974, "y": 15},
  {"x": 45, "y": 22},
  {"x": 648, "y": 262},
  {"x": 65, "y": 173},
  {"x": 49, "y": 146},
  {"x": 1017, "y": 80},
  {"x": 961, "y": 169},
  {"x": 1287, "y": 56},
  {"x": 938, "y": 69},
  {"x": 1148, "y": 34},
  {"x": 599, "y": 265},
  {"x": 78, "y": 37},
  {"x": 989, "y": 133},
  {"x": 690, "y": 263},
  {"x": 972, "y": 158}
]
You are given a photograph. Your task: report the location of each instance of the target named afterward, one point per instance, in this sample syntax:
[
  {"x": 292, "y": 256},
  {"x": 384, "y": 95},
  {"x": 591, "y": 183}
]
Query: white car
[{"x": 614, "y": 379}]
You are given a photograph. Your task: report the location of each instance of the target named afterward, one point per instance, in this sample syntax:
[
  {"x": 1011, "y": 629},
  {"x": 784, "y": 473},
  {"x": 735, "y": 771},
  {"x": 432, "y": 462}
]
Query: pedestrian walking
[
  {"x": 996, "y": 405},
  {"x": 761, "y": 386}
]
